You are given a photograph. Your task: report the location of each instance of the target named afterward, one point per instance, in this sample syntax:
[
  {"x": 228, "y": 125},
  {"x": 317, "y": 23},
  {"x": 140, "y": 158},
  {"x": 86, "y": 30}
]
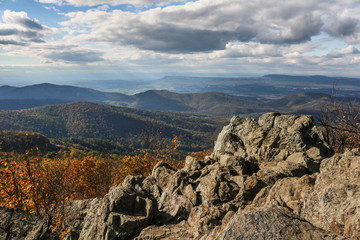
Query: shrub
[{"x": 341, "y": 125}]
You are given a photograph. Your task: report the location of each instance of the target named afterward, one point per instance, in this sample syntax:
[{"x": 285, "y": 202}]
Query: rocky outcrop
[
  {"x": 273, "y": 223},
  {"x": 335, "y": 202},
  {"x": 16, "y": 224},
  {"x": 266, "y": 179}
]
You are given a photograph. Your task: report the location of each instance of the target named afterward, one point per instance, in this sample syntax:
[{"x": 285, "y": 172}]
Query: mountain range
[
  {"x": 205, "y": 104},
  {"x": 267, "y": 86}
]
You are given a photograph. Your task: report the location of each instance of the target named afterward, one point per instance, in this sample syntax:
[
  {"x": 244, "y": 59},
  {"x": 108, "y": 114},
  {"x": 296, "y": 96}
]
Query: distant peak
[
  {"x": 293, "y": 76},
  {"x": 47, "y": 85},
  {"x": 153, "y": 92},
  {"x": 7, "y": 86}
]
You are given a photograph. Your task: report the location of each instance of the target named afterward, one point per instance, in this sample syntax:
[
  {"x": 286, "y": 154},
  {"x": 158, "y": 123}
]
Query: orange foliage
[
  {"x": 143, "y": 164},
  {"x": 33, "y": 184},
  {"x": 201, "y": 155},
  {"x": 91, "y": 177},
  {"x": 43, "y": 185}
]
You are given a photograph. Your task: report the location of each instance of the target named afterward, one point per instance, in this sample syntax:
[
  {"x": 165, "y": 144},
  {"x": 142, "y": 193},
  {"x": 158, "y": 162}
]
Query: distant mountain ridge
[
  {"x": 267, "y": 86},
  {"x": 61, "y": 92},
  {"x": 208, "y": 104}
]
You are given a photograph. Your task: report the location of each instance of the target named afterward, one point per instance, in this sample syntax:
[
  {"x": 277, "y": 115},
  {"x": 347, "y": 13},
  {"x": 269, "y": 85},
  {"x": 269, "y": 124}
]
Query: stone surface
[
  {"x": 290, "y": 193},
  {"x": 121, "y": 214},
  {"x": 335, "y": 202},
  {"x": 272, "y": 223},
  {"x": 15, "y": 224},
  {"x": 273, "y": 137}
]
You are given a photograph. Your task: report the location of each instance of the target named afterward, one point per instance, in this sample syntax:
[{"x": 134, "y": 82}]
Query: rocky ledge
[{"x": 274, "y": 178}]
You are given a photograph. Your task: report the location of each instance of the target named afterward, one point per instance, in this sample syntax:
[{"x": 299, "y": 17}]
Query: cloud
[
  {"x": 110, "y": 2},
  {"x": 52, "y": 8},
  {"x": 21, "y": 19},
  {"x": 17, "y": 28},
  {"x": 205, "y": 25},
  {"x": 292, "y": 32},
  {"x": 56, "y": 52},
  {"x": 343, "y": 52},
  {"x": 76, "y": 56},
  {"x": 10, "y": 42},
  {"x": 57, "y": 2},
  {"x": 248, "y": 50},
  {"x": 344, "y": 23},
  {"x": 344, "y": 27},
  {"x": 198, "y": 35},
  {"x": 173, "y": 39}
]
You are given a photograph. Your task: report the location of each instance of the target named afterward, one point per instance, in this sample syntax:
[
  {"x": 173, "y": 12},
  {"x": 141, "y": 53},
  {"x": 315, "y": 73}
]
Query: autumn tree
[
  {"x": 43, "y": 185},
  {"x": 34, "y": 185}
]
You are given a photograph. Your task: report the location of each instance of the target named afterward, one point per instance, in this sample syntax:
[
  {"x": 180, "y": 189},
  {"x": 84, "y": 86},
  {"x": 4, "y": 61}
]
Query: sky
[{"x": 60, "y": 40}]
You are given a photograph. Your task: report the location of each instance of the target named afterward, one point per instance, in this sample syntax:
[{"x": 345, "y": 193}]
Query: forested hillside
[{"x": 91, "y": 120}]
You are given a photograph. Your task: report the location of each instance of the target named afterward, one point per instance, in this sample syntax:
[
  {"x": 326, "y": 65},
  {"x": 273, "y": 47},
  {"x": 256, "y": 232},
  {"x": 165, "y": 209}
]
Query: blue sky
[{"x": 61, "y": 40}]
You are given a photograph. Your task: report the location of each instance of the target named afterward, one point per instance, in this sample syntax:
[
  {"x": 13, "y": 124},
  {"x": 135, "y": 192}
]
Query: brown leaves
[
  {"x": 43, "y": 186},
  {"x": 38, "y": 184}
]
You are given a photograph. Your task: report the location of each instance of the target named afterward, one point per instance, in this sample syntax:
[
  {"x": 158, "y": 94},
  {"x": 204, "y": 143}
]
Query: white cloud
[
  {"x": 344, "y": 22},
  {"x": 58, "y": 53},
  {"x": 208, "y": 25},
  {"x": 52, "y": 8},
  {"x": 74, "y": 56},
  {"x": 110, "y": 2},
  {"x": 248, "y": 50},
  {"x": 349, "y": 50},
  {"x": 58, "y": 2},
  {"x": 17, "y": 28}
]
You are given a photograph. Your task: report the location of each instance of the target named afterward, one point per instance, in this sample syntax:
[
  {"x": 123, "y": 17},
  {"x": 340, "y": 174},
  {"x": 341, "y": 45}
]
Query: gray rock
[
  {"x": 291, "y": 192},
  {"x": 120, "y": 215},
  {"x": 335, "y": 202},
  {"x": 273, "y": 137},
  {"x": 16, "y": 224},
  {"x": 272, "y": 223}
]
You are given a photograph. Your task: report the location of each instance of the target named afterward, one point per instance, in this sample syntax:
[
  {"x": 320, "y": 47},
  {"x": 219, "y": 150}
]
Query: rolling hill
[
  {"x": 91, "y": 120},
  {"x": 208, "y": 103},
  {"x": 61, "y": 92}
]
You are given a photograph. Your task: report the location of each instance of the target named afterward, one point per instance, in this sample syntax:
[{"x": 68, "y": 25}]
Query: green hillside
[
  {"x": 207, "y": 104},
  {"x": 119, "y": 124},
  {"x": 18, "y": 141}
]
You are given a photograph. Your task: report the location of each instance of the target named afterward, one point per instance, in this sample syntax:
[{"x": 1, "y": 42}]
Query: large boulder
[
  {"x": 291, "y": 192},
  {"x": 274, "y": 137},
  {"x": 121, "y": 214},
  {"x": 272, "y": 223}
]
